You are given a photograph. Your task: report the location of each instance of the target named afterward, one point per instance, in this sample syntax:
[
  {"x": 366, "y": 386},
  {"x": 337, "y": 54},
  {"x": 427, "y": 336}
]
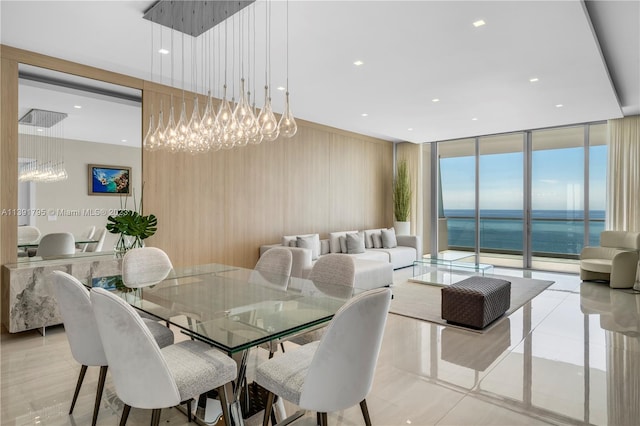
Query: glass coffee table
[{"x": 448, "y": 268}]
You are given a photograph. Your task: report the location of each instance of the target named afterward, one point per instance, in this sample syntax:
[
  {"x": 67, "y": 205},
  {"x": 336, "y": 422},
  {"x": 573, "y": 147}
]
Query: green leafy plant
[
  {"x": 132, "y": 226},
  {"x": 402, "y": 193}
]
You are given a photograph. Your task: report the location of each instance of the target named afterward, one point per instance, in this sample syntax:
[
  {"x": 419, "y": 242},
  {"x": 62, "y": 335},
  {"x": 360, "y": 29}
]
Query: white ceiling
[{"x": 412, "y": 51}]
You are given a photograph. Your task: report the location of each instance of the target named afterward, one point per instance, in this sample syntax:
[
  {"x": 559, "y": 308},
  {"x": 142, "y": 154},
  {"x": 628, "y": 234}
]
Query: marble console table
[{"x": 27, "y": 297}]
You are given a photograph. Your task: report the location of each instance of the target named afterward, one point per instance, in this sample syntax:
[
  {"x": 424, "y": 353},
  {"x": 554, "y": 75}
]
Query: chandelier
[
  {"x": 223, "y": 123},
  {"x": 41, "y": 147}
]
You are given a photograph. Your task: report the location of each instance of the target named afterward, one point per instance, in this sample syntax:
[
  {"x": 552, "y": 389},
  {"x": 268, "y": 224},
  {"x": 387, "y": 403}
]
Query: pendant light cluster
[
  {"x": 224, "y": 123},
  {"x": 41, "y": 147}
]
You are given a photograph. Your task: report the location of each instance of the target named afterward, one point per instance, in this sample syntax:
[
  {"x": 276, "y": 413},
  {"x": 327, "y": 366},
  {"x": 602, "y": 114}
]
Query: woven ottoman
[{"x": 476, "y": 301}]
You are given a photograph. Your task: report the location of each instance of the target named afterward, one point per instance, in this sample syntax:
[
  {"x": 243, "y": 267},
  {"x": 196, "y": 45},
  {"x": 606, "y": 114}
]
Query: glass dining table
[{"x": 236, "y": 309}]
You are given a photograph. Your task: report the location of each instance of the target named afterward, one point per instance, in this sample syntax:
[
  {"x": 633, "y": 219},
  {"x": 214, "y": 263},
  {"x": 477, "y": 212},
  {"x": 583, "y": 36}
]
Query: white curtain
[{"x": 623, "y": 183}]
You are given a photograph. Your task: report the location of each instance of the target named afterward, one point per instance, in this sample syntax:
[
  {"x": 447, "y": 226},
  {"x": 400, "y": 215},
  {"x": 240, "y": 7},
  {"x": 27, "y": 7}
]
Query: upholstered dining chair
[
  {"x": 28, "y": 234},
  {"x": 147, "y": 377},
  {"x": 273, "y": 268},
  {"x": 99, "y": 236},
  {"x": 334, "y": 275},
  {"x": 145, "y": 266},
  {"x": 82, "y": 332},
  {"x": 56, "y": 244},
  {"x": 336, "y": 372},
  {"x": 87, "y": 235}
]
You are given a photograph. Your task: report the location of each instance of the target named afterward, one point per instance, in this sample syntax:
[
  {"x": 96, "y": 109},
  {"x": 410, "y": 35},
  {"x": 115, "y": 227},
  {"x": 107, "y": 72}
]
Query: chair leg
[
  {"x": 267, "y": 409},
  {"x": 125, "y": 415},
  {"x": 282, "y": 346},
  {"x": 83, "y": 371},
  {"x": 155, "y": 416},
  {"x": 365, "y": 412},
  {"x": 101, "y": 380},
  {"x": 323, "y": 419},
  {"x": 222, "y": 394},
  {"x": 189, "y": 410}
]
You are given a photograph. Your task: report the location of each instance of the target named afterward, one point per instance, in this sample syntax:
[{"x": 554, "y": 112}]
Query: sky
[{"x": 557, "y": 180}]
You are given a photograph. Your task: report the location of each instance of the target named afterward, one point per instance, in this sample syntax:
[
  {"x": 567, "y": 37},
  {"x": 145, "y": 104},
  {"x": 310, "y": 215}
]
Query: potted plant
[
  {"x": 132, "y": 226},
  {"x": 402, "y": 199}
]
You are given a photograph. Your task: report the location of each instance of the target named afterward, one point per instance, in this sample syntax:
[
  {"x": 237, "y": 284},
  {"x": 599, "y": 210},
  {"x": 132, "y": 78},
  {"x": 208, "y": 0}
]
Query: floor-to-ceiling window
[
  {"x": 524, "y": 198},
  {"x": 501, "y": 197}
]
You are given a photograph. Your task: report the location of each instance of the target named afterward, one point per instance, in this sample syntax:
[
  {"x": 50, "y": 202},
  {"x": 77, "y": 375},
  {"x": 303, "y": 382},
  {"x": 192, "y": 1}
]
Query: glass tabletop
[{"x": 235, "y": 308}]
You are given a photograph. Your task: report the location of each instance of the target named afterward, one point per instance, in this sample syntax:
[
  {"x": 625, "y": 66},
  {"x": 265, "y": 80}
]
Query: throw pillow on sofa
[
  {"x": 334, "y": 241},
  {"x": 292, "y": 240},
  {"x": 389, "y": 238},
  {"x": 368, "y": 237},
  {"x": 377, "y": 240},
  {"x": 308, "y": 243},
  {"x": 343, "y": 243},
  {"x": 355, "y": 243}
]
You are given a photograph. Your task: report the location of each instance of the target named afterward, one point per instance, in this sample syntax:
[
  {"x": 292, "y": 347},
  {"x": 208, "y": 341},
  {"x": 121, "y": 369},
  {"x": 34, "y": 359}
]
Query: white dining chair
[
  {"x": 147, "y": 377},
  {"x": 28, "y": 234},
  {"x": 87, "y": 236},
  {"x": 56, "y": 244},
  {"x": 145, "y": 266},
  {"x": 336, "y": 372},
  {"x": 82, "y": 332},
  {"x": 99, "y": 237},
  {"x": 273, "y": 268},
  {"x": 334, "y": 275}
]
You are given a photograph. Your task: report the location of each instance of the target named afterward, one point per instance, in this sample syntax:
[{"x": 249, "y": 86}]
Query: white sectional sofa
[{"x": 374, "y": 263}]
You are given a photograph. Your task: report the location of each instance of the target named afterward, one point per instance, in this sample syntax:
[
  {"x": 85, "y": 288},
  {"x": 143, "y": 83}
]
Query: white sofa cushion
[
  {"x": 334, "y": 241},
  {"x": 369, "y": 235},
  {"x": 399, "y": 256}
]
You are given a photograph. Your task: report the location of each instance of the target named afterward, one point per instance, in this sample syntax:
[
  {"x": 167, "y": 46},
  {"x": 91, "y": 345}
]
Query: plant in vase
[
  {"x": 132, "y": 226},
  {"x": 402, "y": 198}
]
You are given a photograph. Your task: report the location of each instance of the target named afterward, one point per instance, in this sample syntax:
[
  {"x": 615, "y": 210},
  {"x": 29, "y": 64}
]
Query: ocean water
[{"x": 558, "y": 232}]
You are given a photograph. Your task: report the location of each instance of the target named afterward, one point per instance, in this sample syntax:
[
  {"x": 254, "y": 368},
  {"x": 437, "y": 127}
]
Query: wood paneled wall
[{"x": 221, "y": 206}]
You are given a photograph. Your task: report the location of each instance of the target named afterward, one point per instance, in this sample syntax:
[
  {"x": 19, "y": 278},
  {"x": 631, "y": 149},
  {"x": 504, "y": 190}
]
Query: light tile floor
[{"x": 570, "y": 356}]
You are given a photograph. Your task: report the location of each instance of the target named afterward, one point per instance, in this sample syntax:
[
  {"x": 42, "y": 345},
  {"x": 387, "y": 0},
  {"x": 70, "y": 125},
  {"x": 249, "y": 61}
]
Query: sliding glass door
[
  {"x": 523, "y": 199},
  {"x": 501, "y": 198}
]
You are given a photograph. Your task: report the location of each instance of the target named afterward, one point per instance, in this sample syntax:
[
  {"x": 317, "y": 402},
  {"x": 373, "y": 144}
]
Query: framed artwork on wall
[{"x": 109, "y": 180}]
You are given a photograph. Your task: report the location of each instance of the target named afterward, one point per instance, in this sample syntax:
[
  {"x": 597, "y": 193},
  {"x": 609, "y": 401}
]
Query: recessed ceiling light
[
  {"x": 123, "y": 140},
  {"x": 533, "y": 80},
  {"x": 163, "y": 51},
  {"x": 358, "y": 63},
  {"x": 280, "y": 88},
  {"x": 559, "y": 105},
  {"x": 364, "y": 114},
  {"x": 479, "y": 23},
  {"x": 410, "y": 129},
  {"x": 474, "y": 119},
  {"x": 40, "y": 130},
  {"x": 77, "y": 106},
  {"x": 435, "y": 100}
]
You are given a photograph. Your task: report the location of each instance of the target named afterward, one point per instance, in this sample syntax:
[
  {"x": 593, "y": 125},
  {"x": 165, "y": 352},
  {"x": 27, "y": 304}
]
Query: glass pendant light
[
  {"x": 224, "y": 120},
  {"x": 192, "y": 139},
  {"x": 254, "y": 133},
  {"x": 182, "y": 129},
  {"x": 287, "y": 125},
  {"x": 170, "y": 133},
  {"x": 206, "y": 125},
  {"x": 149, "y": 142},
  {"x": 267, "y": 120},
  {"x": 244, "y": 116},
  {"x": 160, "y": 133}
]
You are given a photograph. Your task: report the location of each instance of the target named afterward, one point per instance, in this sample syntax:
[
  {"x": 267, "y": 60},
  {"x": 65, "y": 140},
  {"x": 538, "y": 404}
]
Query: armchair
[{"x": 615, "y": 260}]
